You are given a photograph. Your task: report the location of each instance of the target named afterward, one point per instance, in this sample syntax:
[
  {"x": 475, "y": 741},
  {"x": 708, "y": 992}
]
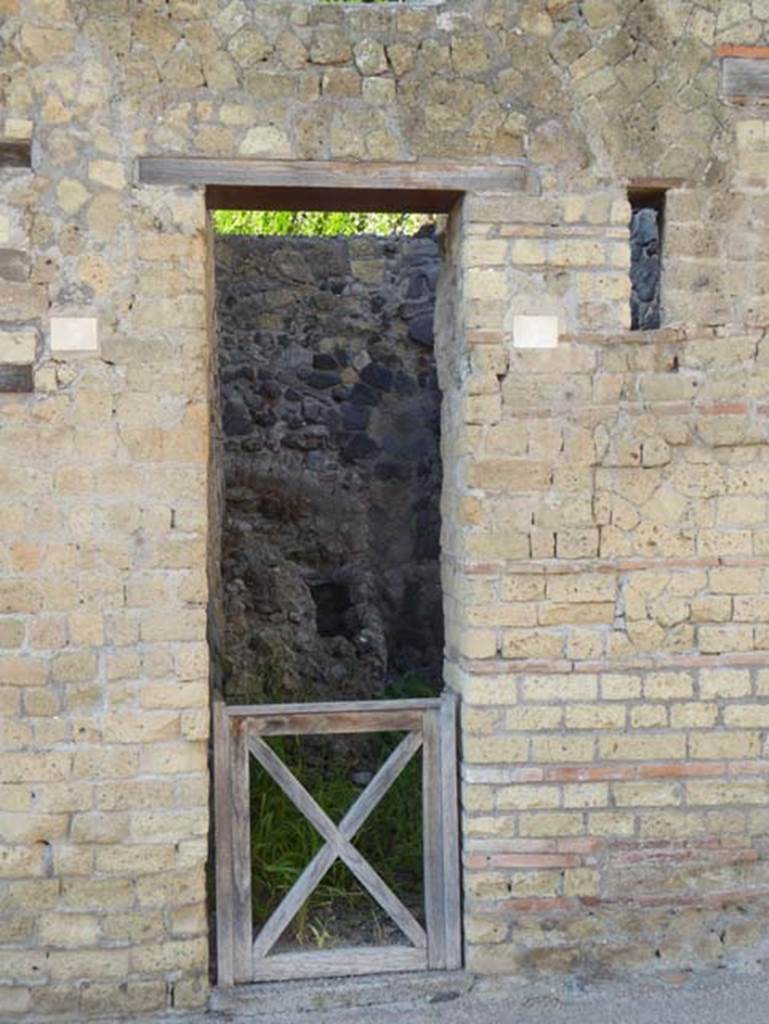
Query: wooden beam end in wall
[
  {"x": 15, "y": 153},
  {"x": 654, "y": 184},
  {"x": 16, "y": 379}
]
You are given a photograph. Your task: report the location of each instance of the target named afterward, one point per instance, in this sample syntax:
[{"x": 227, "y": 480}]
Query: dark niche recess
[
  {"x": 15, "y": 153},
  {"x": 646, "y": 237}
]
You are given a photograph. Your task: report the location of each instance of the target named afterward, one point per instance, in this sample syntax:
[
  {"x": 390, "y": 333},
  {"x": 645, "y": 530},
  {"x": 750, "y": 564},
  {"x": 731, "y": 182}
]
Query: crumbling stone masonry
[{"x": 605, "y": 535}]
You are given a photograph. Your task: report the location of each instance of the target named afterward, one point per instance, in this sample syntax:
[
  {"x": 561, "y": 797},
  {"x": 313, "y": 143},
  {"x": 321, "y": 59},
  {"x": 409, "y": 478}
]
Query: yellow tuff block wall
[
  {"x": 604, "y": 505},
  {"x": 605, "y": 567}
]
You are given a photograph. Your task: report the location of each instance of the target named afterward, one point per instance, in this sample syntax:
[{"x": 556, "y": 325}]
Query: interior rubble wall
[{"x": 331, "y": 445}]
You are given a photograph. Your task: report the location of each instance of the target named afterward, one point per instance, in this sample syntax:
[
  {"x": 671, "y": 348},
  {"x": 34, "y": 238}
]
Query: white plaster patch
[
  {"x": 5, "y": 229},
  {"x": 535, "y": 332},
  {"x": 74, "y": 334}
]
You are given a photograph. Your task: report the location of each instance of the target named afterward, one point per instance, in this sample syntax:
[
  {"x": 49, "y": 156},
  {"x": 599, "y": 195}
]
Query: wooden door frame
[{"x": 239, "y": 733}]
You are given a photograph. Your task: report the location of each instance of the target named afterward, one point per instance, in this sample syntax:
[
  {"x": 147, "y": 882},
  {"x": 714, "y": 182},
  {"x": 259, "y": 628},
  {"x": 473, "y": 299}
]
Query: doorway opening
[
  {"x": 330, "y": 414},
  {"x": 340, "y": 825}
]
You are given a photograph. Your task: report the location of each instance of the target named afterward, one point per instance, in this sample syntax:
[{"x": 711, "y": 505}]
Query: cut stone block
[
  {"x": 14, "y": 265},
  {"x": 74, "y": 334},
  {"x": 18, "y": 346},
  {"x": 18, "y": 128},
  {"x": 535, "y": 331}
]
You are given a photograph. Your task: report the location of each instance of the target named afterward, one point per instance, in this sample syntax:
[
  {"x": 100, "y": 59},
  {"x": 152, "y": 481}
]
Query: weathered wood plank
[
  {"x": 324, "y": 858},
  {"x": 431, "y": 841},
  {"x": 327, "y": 723},
  {"x": 654, "y": 184},
  {"x": 292, "y": 902},
  {"x": 379, "y": 785},
  {"x": 243, "y": 931},
  {"x": 450, "y": 837},
  {"x": 373, "y": 707},
  {"x": 343, "y": 848},
  {"x": 332, "y": 174},
  {"x": 223, "y": 844},
  {"x": 338, "y": 963},
  {"x": 744, "y": 78}
]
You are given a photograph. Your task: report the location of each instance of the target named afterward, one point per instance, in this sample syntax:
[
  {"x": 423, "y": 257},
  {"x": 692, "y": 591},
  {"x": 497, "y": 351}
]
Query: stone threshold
[{"x": 323, "y": 994}]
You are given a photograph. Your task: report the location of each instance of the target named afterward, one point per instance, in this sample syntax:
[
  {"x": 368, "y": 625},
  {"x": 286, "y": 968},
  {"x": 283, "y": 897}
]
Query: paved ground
[
  {"x": 741, "y": 1000},
  {"x": 721, "y": 997}
]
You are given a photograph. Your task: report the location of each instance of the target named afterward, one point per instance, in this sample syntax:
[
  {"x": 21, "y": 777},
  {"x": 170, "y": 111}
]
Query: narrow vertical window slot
[{"x": 646, "y": 239}]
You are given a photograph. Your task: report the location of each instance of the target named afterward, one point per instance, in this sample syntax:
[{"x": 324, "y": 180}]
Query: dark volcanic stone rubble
[
  {"x": 330, "y": 409},
  {"x": 645, "y": 271}
]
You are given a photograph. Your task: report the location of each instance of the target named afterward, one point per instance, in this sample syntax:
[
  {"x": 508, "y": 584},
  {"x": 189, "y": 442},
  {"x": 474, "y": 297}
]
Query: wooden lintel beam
[
  {"x": 655, "y": 184},
  {"x": 424, "y": 186}
]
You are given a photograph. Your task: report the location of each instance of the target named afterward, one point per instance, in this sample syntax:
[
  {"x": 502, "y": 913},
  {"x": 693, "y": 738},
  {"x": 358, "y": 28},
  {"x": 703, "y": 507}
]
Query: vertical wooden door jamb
[
  {"x": 223, "y": 844},
  {"x": 452, "y": 897},
  {"x": 243, "y": 937},
  {"x": 432, "y": 842}
]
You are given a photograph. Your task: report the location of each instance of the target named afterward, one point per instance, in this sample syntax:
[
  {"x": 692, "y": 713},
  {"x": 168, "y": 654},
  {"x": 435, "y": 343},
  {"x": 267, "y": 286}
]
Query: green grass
[
  {"x": 283, "y": 842},
  {"x": 309, "y": 223}
]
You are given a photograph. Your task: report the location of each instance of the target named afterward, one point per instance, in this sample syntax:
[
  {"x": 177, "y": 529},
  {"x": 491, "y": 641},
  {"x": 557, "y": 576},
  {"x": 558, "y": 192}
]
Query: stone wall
[
  {"x": 331, "y": 417},
  {"x": 604, "y": 517},
  {"x": 605, "y": 569}
]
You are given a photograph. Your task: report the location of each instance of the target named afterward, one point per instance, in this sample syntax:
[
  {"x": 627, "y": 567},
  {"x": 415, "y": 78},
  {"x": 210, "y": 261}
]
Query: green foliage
[
  {"x": 410, "y": 686},
  {"x": 292, "y": 222}
]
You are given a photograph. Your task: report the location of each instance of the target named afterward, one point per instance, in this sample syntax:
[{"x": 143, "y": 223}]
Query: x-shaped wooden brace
[{"x": 337, "y": 842}]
